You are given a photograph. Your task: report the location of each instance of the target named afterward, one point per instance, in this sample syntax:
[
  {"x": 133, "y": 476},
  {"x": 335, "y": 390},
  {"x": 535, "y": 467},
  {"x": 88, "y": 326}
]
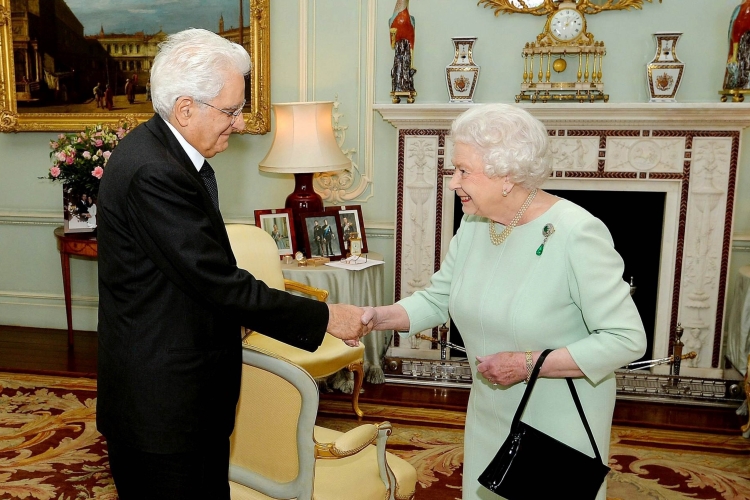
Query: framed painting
[
  {"x": 277, "y": 223},
  {"x": 57, "y": 58},
  {"x": 323, "y": 235},
  {"x": 352, "y": 224}
]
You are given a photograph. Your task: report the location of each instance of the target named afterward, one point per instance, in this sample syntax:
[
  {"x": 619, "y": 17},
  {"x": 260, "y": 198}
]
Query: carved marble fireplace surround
[{"x": 690, "y": 152}]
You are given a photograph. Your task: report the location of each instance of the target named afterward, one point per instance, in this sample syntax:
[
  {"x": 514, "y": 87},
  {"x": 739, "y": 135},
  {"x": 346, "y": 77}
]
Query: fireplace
[{"x": 676, "y": 161}]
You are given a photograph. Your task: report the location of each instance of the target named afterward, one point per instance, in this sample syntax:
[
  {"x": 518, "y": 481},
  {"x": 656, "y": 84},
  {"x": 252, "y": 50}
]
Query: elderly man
[{"x": 171, "y": 298}]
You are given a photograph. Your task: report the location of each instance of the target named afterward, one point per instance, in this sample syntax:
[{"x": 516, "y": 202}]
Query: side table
[
  {"x": 360, "y": 288},
  {"x": 83, "y": 245}
]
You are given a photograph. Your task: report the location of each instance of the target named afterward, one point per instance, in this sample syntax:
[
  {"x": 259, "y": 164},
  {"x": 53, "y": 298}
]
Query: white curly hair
[
  {"x": 510, "y": 141},
  {"x": 193, "y": 63}
]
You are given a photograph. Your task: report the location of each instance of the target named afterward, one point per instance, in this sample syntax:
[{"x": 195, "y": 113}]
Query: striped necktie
[{"x": 209, "y": 179}]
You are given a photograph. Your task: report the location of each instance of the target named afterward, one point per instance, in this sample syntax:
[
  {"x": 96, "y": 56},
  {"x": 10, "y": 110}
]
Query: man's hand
[{"x": 345, "y": 322}]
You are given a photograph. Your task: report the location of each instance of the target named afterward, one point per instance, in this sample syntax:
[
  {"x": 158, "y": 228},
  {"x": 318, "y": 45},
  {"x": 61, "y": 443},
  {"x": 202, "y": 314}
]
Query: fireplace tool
[
  {"x": 640, "y": 365},
  {"x": 443, "y": 342}
]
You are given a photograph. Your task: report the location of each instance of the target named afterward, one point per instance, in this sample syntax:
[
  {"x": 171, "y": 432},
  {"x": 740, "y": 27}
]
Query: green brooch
[{"x": 547, "y": 231}]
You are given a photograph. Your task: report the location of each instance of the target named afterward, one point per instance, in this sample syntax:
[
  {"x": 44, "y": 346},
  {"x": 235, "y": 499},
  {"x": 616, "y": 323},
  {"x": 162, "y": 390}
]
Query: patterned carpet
[
  {"x": 646, "y": 464},
  {"x": 50, "y": 450}
]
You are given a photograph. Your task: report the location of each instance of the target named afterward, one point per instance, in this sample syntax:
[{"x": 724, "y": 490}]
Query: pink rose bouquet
[{"x": 79, "y": 160}]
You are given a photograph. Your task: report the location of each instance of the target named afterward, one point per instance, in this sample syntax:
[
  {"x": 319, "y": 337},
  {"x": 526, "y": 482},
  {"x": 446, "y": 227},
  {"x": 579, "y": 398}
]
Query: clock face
[
  {"x": 356, "y": 244},
  {"x": 566, "y": 25}
]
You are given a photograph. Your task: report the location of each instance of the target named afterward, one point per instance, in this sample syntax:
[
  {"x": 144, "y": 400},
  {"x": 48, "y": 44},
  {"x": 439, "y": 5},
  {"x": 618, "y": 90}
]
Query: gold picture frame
[{"x": 257, "y": 112}]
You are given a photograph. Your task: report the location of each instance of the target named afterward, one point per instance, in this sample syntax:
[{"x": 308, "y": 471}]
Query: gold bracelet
[{"x": 529, "y": 366}]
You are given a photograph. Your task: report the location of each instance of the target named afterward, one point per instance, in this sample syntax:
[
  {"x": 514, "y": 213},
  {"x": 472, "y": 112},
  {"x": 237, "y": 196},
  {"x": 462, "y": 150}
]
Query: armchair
[
  {"x": 257, "y": 253},
  {"x": 277, "y": 452}
]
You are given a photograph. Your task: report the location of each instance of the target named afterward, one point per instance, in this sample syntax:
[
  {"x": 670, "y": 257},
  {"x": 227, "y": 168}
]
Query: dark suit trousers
[{"x": 201, "y": 473}]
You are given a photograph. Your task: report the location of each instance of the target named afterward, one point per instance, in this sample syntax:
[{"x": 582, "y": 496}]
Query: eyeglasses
[
  {"x": 234, "y": 114},
  {"x": 356, "y": 259}
]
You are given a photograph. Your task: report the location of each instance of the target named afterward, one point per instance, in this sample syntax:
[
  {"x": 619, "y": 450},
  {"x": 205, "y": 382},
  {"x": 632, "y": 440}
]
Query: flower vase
[
  {"x": 664, "y": 73},
  {"x": 462, "y": 74}
]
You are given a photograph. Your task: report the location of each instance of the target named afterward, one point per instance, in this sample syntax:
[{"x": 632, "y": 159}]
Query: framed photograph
[
  {"x": 74, "y": 63},
  {"x": 352, "y": 223},
  {"x": 278, "y": 223},
  {"x": 323, "y": 235},
  {"x": 79, "y": 211}
]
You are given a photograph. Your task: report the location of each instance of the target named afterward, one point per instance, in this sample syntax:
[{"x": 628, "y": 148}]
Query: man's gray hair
[
  {"x": 193, "y": 63},
  {"x": 511, "y": 142}
]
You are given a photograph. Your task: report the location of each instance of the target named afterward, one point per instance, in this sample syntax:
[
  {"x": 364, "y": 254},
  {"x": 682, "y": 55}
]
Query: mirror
[{"x": 52, "y": 59}]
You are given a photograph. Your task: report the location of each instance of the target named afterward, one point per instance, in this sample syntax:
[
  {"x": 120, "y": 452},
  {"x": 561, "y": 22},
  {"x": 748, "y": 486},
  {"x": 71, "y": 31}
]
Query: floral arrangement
[{"x": 79, "y": 159}]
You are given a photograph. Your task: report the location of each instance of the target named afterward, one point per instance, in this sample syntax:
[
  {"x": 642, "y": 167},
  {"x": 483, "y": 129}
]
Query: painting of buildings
[{"x": 64, "y": 50}]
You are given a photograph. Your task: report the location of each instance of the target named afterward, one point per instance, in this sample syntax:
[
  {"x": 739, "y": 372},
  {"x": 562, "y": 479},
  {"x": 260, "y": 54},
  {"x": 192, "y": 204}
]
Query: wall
[{"x": 327, "y": 49}]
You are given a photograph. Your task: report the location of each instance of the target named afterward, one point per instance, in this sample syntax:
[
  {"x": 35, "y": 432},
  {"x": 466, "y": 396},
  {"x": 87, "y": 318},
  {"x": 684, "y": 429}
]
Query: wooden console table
[{"x": 83, "y": 245}]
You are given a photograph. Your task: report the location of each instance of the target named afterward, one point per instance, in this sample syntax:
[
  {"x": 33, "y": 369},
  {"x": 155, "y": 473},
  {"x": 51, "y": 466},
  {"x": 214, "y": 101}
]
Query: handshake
[{"x": 351, "y": 323}]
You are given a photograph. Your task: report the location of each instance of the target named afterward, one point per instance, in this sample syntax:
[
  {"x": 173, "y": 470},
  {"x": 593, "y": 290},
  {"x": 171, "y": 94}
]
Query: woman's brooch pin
[{"x": 547, "y": 231}]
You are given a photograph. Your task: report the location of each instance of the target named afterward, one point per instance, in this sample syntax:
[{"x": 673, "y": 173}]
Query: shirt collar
[{"x": 192, "y": 153}]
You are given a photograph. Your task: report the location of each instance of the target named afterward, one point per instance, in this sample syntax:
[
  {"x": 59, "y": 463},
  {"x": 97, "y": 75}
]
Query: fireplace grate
[{"x": 630, "y": 385}]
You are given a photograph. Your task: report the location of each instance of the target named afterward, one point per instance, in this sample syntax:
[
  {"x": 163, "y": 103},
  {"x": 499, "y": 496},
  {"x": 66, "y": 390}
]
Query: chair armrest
[
  {"x": 296, "y": 286},
  {"x": 355, "y": 440}
]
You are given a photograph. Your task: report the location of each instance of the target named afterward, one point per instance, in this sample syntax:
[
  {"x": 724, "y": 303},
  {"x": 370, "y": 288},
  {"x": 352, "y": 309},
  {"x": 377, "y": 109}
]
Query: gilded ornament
[
  {"x": 564, "y": 35},
  {"x": 559, "y": 65}
]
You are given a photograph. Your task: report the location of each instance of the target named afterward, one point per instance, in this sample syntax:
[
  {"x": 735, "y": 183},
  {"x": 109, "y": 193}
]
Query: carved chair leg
[{"x": 359, "y": 375}]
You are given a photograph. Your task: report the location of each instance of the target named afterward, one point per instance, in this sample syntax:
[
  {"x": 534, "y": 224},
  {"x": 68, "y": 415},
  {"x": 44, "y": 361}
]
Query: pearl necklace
[{"x": 495, "y": 238}]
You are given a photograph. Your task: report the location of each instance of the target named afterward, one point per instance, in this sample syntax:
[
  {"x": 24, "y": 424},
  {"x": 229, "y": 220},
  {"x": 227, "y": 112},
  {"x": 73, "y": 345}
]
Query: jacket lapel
[{"x": 161, "y": 131}]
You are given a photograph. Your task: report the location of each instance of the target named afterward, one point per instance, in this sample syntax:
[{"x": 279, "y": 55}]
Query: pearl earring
[{"x": 505, "y": 193}]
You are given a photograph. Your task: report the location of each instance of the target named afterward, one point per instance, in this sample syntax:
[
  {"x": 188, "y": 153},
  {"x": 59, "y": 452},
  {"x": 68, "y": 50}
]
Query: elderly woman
[{"x": 526, "y": 271}]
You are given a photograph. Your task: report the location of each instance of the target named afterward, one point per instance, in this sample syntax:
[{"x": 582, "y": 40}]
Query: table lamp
[{"x": 304, "y": 143}]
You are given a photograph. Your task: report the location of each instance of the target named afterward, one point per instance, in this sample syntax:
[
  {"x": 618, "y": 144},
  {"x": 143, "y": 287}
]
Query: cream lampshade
[{"x": 304, "y": 143}]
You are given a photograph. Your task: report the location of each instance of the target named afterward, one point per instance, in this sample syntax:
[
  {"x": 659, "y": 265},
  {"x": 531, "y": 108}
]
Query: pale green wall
[{"x": 336, "y": 65}]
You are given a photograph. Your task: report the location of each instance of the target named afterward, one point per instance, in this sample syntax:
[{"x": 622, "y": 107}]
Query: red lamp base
[{"x": 303, "y": 200}]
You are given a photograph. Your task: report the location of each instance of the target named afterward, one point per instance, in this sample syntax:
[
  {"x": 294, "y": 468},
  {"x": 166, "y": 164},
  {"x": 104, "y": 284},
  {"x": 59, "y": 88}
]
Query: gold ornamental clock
[{"x": 546, "y": 72}]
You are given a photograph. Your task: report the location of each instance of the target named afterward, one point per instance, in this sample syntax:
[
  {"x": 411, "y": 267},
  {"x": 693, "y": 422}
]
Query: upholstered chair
[
  {"x": 257, "y": 253},
  {"x": 277, "y": 451}
]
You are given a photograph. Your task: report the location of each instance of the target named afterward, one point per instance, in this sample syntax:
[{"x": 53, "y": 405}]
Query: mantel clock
[{"x": 564, "y": 36}]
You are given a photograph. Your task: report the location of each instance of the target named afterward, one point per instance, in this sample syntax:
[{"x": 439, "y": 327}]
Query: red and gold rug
[
  {"x": 647, "y": 464},
  {"x": 50, "y": 449},
  {"x": 49, "y": 446}
]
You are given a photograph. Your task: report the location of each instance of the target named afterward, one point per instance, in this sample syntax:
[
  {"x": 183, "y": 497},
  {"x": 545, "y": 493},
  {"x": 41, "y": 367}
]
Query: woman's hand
[
  {"x": 391, "y": 317},
  {"x": 503, "y": 368},
  {"x": 508, "y": 368}
]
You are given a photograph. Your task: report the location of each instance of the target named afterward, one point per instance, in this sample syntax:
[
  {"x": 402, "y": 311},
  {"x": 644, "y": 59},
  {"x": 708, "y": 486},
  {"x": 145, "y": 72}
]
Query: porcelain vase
[
  {"x": 462, "y": 74},
  {"x": 664, "y": 73}
]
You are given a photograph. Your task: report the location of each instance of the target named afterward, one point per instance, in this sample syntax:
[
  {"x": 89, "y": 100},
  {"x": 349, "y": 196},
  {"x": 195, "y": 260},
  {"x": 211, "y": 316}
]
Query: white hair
[
  {"x": 511, "y": 142},
  {"x": 193, "y": 63}
]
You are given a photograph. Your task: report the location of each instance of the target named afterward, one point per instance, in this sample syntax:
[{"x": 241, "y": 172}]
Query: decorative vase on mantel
[
  {"x": 462, "y": 74},
  {"x": 664, "y": 73}
]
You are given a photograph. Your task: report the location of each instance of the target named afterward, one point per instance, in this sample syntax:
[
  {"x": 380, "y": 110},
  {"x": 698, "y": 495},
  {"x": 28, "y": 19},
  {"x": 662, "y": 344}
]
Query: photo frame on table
[
  {"x": 351, "y": 220},
  {"x": 46, "y": 85},
  {"x": 278, "y": 223},
  {"x": 323, "y": 235}
]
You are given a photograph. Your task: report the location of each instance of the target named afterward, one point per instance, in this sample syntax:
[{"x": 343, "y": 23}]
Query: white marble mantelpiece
[
  {"x": 690, "y": 152},
  {"x": 663, "y": 115}
]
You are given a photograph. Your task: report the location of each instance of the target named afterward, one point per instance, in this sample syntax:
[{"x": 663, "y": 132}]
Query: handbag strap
[
  {"x": 527, "y": 394},
  {"x": 529, "y": 387},
  {"x": 583, "y": 416}
]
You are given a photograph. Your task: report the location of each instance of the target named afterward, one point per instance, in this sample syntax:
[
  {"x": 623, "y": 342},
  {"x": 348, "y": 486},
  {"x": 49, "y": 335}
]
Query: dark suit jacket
[{"x": 172, "y": 300}]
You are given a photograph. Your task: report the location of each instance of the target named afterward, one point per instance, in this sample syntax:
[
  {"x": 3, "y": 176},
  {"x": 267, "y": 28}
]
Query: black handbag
[{"x": 530, "y": 464}]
